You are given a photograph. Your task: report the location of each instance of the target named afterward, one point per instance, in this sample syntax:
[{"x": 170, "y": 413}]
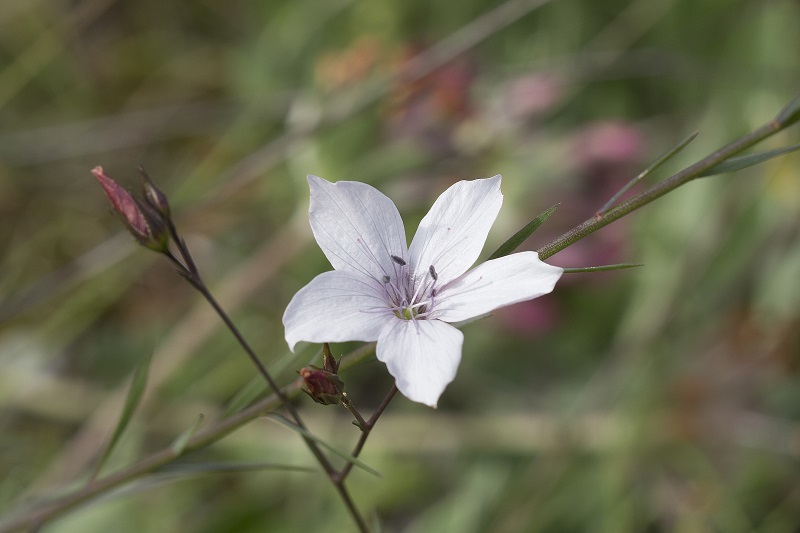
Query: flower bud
[
  {"x": 323, "y": 387},
  {"x": 153, "y": 195},
  {"x": 141, "y": 220}
]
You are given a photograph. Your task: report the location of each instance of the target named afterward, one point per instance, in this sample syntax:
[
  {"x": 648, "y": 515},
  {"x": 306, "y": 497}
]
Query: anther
[
  {"x": 386, "y": 279},
  {"x": 399, "y": 260},
  {"x": 433, "y": 273}
]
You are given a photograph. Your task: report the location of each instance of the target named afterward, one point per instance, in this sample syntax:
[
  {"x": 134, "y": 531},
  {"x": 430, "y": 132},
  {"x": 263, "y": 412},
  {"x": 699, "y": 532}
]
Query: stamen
[
  {"x": 386, "y": 279},
  {"x": 399, "y": 260},
  {"x": 434, "y": 275}
]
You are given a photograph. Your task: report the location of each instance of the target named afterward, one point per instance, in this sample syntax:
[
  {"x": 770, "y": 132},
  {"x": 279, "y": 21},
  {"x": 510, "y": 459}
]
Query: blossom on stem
[
  {"x": 139, "y": 218},
  {"x": 322, "y": 386},
  {"x": 406, "y": 297}
]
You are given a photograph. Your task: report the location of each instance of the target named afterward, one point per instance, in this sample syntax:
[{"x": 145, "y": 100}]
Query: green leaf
[
  {"x": 180, "y": 443},
  {"x": 253, "y": 390},
  {"x": 649, "y": 170},
  {"x": 257, "y": 387},
  {"x": 179, "y": 471},
  {"x": 344, "y": 455},
  {"x": 519, "y": 237},
  {"x": 138, "y": 384},
  {"x": 604, "y": 268},
  {"x": 744, "y": 161},
  {"x": 228, "y": 468},
  {"x": 789, "y": 114}
]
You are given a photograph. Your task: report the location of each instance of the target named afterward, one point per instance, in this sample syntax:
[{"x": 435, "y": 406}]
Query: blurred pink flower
[
  {"x": 608, "y": 143},
  {"x": 532, "y": 95}
]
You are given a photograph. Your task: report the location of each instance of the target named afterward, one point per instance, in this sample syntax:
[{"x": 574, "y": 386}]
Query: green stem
[
  {"x": 213, "y": 433},
  {"x": 660, "y": 189}
]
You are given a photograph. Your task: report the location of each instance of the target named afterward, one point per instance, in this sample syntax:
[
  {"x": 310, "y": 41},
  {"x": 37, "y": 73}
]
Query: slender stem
[
  {"x": 360, "y": 422},
  {"x": 646, "y": 172},
  {"x": 213, "y": 433},
  {"x": 200, "y": 286},
  {"x": 366, "y": 429},
  {"x": 323, "y": 460},
  {"x": 191, "y": 273},
  {"x": 58, "y": 506},
  {"x": 660, "y": 189},
  {"x": 351, "y": 506}
]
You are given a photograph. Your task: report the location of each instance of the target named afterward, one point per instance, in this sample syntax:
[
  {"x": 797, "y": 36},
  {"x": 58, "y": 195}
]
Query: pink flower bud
[
  {"x": 146, "y": 226},
  {"x": 322, "y": 386}
]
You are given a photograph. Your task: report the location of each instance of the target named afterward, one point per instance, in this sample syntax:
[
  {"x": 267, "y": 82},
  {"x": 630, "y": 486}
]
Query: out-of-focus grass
[{"x": 659, "y": 399}]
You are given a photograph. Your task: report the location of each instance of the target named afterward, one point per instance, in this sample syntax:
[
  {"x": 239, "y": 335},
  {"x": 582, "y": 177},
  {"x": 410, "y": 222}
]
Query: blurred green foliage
[{"x": 664, "y": 398}]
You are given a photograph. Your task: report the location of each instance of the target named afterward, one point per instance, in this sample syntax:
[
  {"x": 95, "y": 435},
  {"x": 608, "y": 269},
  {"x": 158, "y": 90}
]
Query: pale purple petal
[
  {"x": 452, "y": 234},
  {"x": 357, "y": 227},
  {"x": 336, "y": 307},
  {"x": 422, "y": 355},
  {"x": 494, "y": 284}
]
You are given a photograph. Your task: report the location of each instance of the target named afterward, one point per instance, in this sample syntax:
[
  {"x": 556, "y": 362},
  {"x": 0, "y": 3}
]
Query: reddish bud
[
  {"x": 140, "y": 219},
  {"x": 323, "y": 387}
]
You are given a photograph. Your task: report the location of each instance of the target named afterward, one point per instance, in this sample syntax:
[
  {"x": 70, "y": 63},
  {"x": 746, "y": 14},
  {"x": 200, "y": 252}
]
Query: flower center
[
  {"x": 409, "y": 297},
  {"x": 406, "y": 313}
]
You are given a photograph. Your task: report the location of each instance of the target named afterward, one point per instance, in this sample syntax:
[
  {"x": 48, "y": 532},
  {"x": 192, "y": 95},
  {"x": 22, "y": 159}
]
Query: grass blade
[
  {"x": 180, "y": 443},
  {"x": 344, "y": 455},
  {"x": 744, "y": 161},
  {"x": 190, "y": 469},
  {"x": 649, "y": 170},
  {"x": 519, "y": 237},
  {"x": 138, "y": 385},
  {"x": 604, "y": 268}
]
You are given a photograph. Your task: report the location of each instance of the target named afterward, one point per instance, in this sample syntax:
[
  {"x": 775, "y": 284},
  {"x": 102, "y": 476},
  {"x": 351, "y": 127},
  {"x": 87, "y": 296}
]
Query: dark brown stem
[
  {"x": 360, "y": 422},
  {"x": 333, "y": 475},
  {"x": 365, "y": 431},
  {"x": 190, "y": 272}
]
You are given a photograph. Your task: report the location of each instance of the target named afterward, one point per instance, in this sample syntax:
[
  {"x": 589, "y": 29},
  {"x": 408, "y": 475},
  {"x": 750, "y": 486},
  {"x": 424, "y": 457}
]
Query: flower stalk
[
  {"x": 52, "y": 508},
  {"x": 149, "y": 221},
  {"x": 786, "y": 118}
]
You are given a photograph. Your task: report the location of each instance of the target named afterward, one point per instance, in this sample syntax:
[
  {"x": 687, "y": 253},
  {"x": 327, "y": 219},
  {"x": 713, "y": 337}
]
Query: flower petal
[
  {"x": 452, "y": 234},
  {"x": 422, "y": 355},
  {"x": 336, "y": 306},
  {"x": 357, "y": 227},
  {"x": 493, "y": 284}
]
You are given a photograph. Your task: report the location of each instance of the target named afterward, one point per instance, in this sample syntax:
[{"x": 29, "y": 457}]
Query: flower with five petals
[{"x": 407, "y": 297}]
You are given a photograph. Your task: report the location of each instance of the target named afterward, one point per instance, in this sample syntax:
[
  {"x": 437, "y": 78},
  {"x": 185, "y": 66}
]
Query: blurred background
[{"x": 659, "y": 399}]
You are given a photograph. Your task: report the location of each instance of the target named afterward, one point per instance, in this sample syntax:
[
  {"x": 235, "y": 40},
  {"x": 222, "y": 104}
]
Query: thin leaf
[
  {"x": 180, "y": 443},
  {"x": 789, "y": 114},
  {"x": 519, "y": 237},
  {"x": 256, "y": 388},
  {"x": 253, "y": 390},
  {"x": 344, "y": 455},
  {"x": 604, "y": 268},
  {"x": 138, "y": 384},
  {"x": 176, "y": 472},
  {"x": 228, "y": 468},
  {"x": 649, "y": 170},
  {"x": 744, "y": 161}
]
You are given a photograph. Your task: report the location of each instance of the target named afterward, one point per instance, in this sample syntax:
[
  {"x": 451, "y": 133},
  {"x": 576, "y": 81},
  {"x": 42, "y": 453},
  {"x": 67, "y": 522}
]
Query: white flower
[{"x": 405, "y": 297}]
